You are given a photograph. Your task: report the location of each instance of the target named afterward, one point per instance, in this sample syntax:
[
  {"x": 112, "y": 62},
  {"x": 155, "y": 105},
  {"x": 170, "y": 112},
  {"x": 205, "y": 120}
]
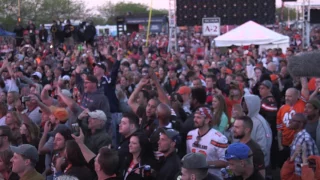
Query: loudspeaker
[
  {"x": 231, "y": 12},
  {"x": 314, "y": 16}
]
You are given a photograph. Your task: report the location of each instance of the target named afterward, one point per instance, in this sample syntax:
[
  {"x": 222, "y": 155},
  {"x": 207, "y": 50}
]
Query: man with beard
[
  {"x": 46, "y": 143},
  {"x": 207, "y": 141},
  {"x": 19, "y": 33},
  {"x": 198, "y": 99},
  {"x": 261, "y": 132},
  {"x": 61, "y": 135},
  {"x": 242, "y": 128}
]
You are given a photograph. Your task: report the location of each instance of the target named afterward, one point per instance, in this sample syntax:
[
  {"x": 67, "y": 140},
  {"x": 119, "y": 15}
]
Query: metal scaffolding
[
  {"x": 306, "y": 23},
  {"x": 172, "y": 25}
]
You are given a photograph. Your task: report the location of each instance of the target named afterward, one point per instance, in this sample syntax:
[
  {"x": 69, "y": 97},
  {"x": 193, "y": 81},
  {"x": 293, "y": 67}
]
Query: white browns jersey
[{"x": 213, "y": 145}]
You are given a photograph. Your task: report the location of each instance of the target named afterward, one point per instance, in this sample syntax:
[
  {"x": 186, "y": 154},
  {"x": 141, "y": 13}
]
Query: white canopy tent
[{"x": 253, "y": 33}]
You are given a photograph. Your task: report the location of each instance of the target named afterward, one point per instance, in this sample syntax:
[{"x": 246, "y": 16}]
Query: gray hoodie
[{"x": 261, "y": 132}]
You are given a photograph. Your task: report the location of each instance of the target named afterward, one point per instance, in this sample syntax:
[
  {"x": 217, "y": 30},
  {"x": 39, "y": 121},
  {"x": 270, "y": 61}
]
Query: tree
[
  {"x": 292, "y": 13},
  {"x": 110, "y": 10}
]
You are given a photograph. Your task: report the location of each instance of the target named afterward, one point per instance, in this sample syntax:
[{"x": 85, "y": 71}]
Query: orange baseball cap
[
  {"x": 184, "y": 90},
  {"x": 274, "y": 77}
]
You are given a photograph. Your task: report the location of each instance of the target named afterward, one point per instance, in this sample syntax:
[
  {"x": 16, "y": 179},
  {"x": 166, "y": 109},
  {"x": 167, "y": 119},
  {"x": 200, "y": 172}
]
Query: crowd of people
[{"x": 124, "y": 108}]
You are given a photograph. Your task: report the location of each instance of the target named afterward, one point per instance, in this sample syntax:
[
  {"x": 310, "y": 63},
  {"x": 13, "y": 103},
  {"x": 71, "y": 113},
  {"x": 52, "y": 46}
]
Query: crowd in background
[{"x": 124, "y": 108}]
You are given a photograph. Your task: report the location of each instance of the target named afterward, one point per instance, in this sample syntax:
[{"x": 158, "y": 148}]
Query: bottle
[{"x": 147, "y": 172}]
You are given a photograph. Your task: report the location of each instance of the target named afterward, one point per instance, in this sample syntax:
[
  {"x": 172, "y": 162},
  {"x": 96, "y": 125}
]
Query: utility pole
[
  {"x": 19, "y": 8},
  {"x": 172, "y": 26},
  {"x": 306, "y": 23}
]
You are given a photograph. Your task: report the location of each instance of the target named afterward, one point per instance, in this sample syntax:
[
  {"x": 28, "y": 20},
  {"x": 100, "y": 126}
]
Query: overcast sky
[{"x": 159, "y": 4}]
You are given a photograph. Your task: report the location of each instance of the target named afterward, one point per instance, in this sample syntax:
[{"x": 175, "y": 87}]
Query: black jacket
[
  {"x": 170, "y": 167},
  {"x": 82, "y": 173},
  {"x": 43, "y": 35},
  {"x": 108, "y": 85}
]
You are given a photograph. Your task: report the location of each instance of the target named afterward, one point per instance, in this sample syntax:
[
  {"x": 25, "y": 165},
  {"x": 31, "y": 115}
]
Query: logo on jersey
[{"x": 287, "y": 116}]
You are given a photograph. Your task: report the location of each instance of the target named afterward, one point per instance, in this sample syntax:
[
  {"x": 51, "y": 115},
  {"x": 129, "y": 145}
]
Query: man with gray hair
[
  {"x": 195, "y": 166},
  {"x": 95, "y": 132}
]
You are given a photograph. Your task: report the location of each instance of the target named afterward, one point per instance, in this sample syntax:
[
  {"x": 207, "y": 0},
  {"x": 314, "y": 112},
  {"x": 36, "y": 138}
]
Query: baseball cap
[
  {"x": 38, "y": 74},
  {"x": 194, "y": 161},
  {"x": 274, "y": 77},
  {"x": 66, "y": 78},
  {"x": 267, "y": 84},
  {"x": 184, "y": 90},
  {"x": 98, "y": 114},
  {"x": 66, "y": 92},
  {"x": 172, "y": 134},
  {"x": 315, "y": 102},
  {"x": 101, "y": 65},
  {"x": 60, "y": 113},
  {"x": 238, "y": 151},
  {"x": 63, "y": 130},
  {"x": 204, "y": 111},
  {"x": 28, "y": 151}
]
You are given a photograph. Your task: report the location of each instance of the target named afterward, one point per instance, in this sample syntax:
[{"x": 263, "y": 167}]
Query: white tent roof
[{"x": 250, "y": 33}]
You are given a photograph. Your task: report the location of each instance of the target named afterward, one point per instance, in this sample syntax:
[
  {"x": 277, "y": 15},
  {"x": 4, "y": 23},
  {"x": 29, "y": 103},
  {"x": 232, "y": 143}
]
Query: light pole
[{"x": 19, "y": 7}]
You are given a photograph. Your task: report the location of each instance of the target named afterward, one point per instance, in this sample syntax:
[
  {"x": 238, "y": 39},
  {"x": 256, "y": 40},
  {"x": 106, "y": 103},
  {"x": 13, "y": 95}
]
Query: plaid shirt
[{"x": 300, "y": 138}]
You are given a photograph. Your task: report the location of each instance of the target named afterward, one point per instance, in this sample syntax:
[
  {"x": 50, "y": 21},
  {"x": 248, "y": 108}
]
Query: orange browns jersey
[
  {"x": 213, "y": 145},
  {"x": 285, "y": 113}
]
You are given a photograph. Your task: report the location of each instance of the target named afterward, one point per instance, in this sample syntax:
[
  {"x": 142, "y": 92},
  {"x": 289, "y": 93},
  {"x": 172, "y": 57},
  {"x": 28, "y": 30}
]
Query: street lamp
[{"x": 19, "y": 7}]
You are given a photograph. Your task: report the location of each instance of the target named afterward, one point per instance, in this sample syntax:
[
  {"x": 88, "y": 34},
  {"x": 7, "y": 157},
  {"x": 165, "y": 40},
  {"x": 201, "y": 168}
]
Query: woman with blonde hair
[{"x": 220, "y": 120}]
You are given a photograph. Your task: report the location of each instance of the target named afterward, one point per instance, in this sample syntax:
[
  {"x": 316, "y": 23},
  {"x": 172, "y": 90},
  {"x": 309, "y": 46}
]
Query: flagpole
[{"x": 149, "y": 23}]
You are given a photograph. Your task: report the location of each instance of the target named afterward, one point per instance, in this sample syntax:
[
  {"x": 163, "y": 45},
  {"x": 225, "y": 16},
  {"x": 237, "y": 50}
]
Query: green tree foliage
[
  {"x": 45, "y": 11},
  {"x": 41, "y": 11},
  {"x": 286, "y": 12},
  {"x": 110, "y": 10}
]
